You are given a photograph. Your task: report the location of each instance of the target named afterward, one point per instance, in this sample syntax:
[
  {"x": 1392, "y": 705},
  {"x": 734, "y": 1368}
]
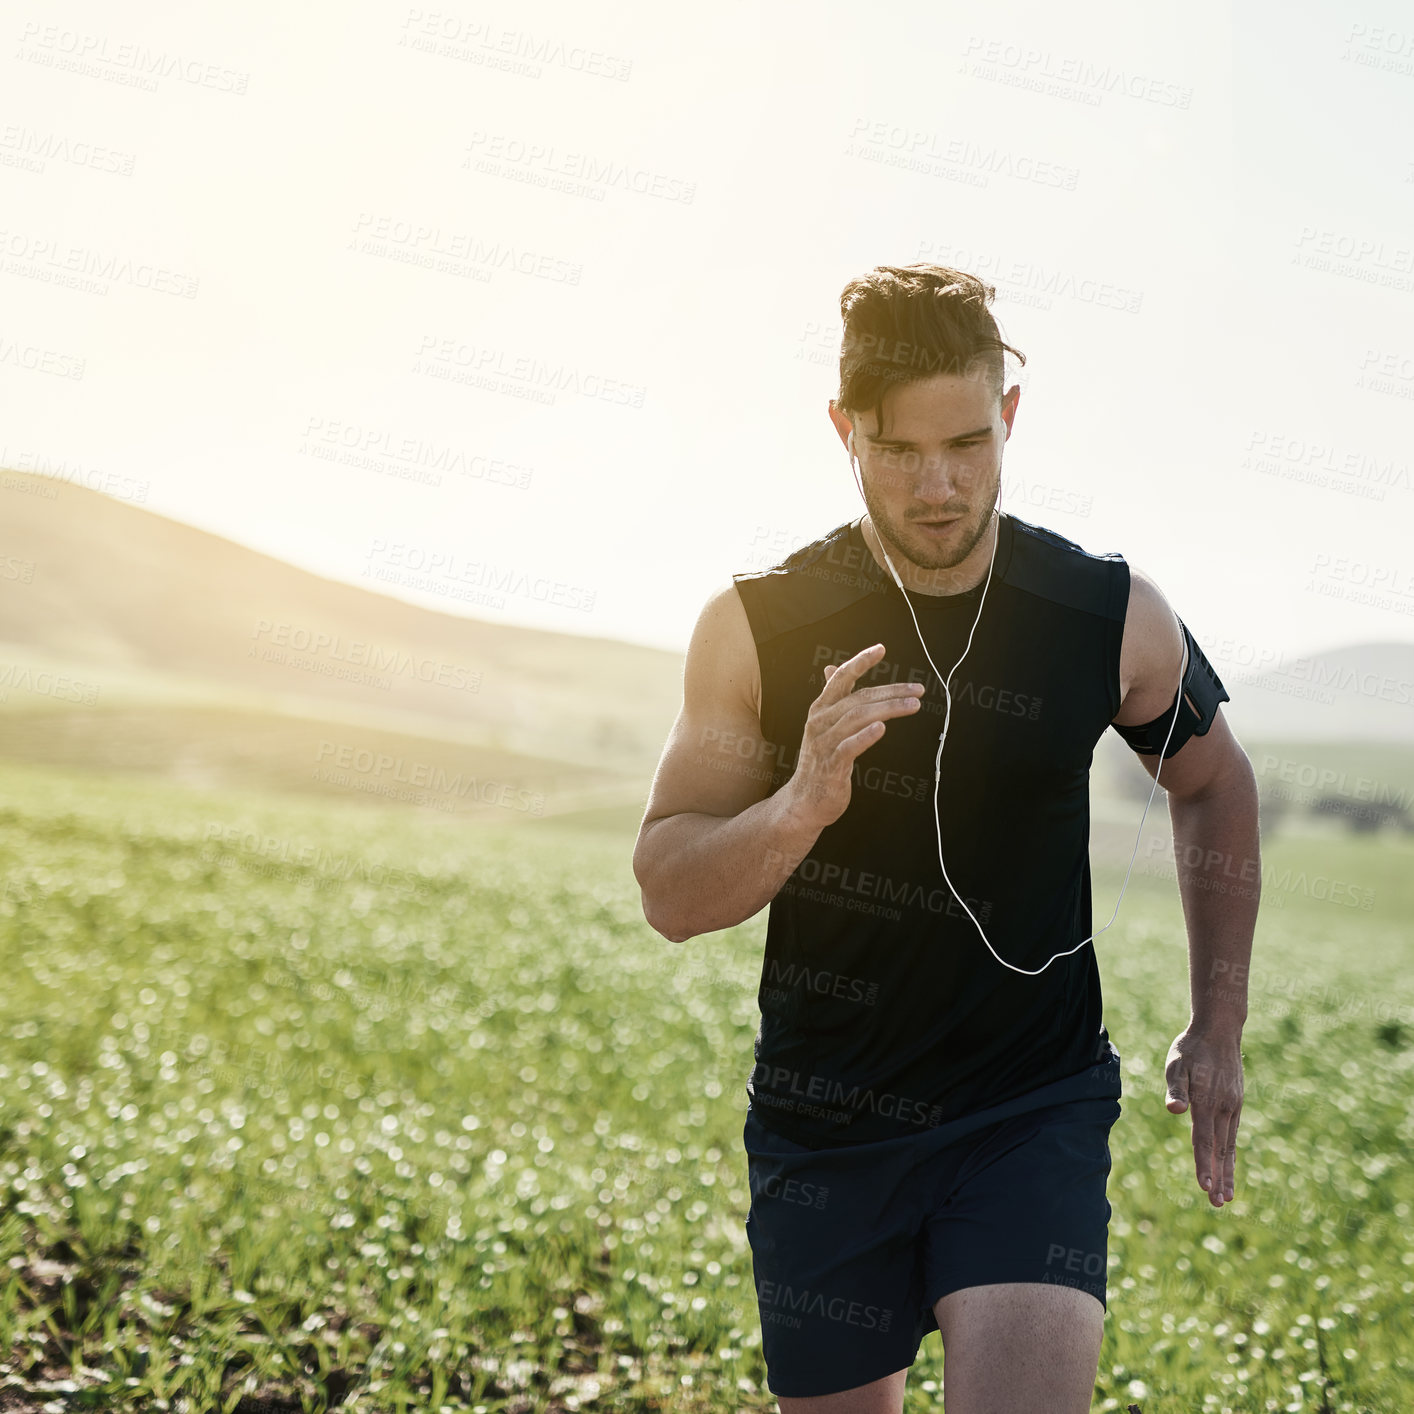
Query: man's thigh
[
  {"x": 1020, "y": 1348},
  {"x": 1029, "y": 1206},
  {"x": 1019, "y": 1252}
]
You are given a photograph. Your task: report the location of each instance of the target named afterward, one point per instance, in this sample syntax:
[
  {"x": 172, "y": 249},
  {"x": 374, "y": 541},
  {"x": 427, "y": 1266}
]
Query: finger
[
  {"x": 1217, "y": 1190},
  {"x": 866, "y": 736},
  {"x": 1203, "y": 1147},
  {"x": 843, "y": 679},
  {"x": 829, "y": 714},
  {"x": 851, "y": 720},
  {"x": 1230, "y": 1166},
  {"x": 884, "y": 689}
]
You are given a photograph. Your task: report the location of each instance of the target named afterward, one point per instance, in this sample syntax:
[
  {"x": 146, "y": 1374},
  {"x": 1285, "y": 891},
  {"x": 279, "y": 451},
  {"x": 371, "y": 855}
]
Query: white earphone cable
[{"x": 947, "y": 718}]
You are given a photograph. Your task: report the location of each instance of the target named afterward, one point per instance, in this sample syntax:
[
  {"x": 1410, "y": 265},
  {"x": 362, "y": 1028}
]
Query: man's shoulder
[
  {"x": 809, "y": 583},
  {"x": 834, "y": 547},
  {"x": 1052, "y": 566}
]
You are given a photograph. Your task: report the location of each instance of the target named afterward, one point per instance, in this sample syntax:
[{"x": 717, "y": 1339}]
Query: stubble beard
[{"x": 925, "y": 556}]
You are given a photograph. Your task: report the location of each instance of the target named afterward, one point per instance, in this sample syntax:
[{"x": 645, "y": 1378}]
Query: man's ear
[{"x": 842, "y": 423}]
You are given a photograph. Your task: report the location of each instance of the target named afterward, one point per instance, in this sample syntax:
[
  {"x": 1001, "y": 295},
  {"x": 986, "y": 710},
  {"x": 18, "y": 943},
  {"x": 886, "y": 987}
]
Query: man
[{"x": 927, "y": 1133}]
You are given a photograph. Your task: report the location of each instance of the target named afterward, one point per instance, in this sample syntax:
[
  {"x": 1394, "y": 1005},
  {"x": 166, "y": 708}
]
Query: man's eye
[{"x": 902, "y": 451}]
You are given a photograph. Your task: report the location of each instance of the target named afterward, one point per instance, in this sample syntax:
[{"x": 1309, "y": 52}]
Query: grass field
[{"x": 304, "y": 1105}]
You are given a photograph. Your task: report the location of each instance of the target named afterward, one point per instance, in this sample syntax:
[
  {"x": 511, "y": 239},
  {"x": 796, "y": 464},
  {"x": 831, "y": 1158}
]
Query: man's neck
[{"x": 917, "y": 580}]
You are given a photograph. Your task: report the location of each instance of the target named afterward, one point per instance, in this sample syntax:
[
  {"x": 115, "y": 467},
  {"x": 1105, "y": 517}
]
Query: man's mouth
[{"x": 941, "y": 523}]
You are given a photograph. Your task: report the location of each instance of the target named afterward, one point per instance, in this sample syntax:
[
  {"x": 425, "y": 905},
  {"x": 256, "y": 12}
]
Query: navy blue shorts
[{"x": 852, "y": 1245}]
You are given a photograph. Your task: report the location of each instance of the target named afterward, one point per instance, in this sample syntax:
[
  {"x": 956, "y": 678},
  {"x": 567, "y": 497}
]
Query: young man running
[{"x": 887, "y": 737}]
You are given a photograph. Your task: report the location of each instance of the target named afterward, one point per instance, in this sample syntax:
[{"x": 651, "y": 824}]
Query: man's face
[{"x": 931, "y": 474}]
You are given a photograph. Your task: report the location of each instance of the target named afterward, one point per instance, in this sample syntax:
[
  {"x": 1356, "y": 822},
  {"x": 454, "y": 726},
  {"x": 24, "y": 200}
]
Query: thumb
[{"x": 1177, "y": 1100}]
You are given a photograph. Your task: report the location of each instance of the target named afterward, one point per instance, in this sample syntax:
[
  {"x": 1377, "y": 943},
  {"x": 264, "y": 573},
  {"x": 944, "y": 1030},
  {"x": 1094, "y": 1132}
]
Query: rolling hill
[{"x": 130, "y": 641}]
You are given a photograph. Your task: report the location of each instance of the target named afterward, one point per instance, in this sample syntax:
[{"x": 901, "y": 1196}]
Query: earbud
[
  {"x": 882, "y": 546},
  {"x": 947, "y": 718}
]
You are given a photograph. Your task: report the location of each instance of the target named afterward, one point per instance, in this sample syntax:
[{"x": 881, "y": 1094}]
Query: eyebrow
[{"x": 904, "y": 442}]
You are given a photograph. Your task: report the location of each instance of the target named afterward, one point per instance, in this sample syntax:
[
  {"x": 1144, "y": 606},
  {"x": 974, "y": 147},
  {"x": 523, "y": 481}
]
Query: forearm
[
  {"x": 699, "y": 873},
  {"x": 1218, "y": 853}
]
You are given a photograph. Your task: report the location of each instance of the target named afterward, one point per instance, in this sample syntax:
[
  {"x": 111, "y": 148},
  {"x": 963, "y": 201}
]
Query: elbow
[
  {"x": 663, "y": 924},
  {"x": 660, "y": 919}
]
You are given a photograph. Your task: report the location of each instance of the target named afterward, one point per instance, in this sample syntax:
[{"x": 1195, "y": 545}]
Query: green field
[{"x": 307, "y": 1105}]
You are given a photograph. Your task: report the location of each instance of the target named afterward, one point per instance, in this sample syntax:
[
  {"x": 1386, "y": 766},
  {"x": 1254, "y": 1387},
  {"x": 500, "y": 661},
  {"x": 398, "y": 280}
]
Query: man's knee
[{"x": 883, "y": 1396}]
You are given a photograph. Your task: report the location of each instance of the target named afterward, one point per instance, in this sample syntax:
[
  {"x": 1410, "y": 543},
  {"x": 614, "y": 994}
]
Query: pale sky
[{"x": 290, "y": 272}]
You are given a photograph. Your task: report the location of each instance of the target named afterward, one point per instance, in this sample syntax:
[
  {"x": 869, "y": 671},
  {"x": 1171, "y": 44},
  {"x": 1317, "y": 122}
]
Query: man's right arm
[{"x": 715, "y": 845}]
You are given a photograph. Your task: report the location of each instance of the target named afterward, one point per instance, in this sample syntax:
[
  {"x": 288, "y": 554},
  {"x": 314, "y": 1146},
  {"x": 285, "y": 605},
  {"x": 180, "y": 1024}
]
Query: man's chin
[{"x": 928, "y": 556}]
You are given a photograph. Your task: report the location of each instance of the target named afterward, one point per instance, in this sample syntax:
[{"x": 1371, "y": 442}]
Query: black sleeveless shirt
[{"x": 883, "y": 1013}]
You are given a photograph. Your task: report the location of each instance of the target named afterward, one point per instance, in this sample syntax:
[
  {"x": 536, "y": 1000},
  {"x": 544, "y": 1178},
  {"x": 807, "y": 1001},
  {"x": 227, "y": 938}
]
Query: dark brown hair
[{"x": 903, "y": 323}]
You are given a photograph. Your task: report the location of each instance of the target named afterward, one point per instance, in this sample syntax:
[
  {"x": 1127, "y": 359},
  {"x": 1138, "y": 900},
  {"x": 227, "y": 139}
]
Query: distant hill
[
  {"x": 1360, "y": 692},
  {"x": 136, "y": 603},
  {"x": 132, "y": 641}
]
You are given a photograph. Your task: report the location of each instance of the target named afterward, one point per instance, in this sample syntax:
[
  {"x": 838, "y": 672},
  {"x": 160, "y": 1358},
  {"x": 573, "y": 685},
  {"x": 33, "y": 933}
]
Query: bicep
[
  {"x": 716, "y": 761},
  {"x": 1153, "y": 664},
  {"x": 1202, "y": 763},
  {"x": 1151, "y": 654}
]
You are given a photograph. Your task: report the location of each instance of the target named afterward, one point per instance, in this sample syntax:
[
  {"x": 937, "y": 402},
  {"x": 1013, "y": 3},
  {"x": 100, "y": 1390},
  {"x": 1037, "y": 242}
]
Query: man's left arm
[{"x": 1212, "y": 796}]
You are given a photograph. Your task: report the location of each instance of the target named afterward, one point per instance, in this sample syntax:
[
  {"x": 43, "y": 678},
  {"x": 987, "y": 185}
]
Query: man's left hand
[{"x": 1204, "y": 1073}]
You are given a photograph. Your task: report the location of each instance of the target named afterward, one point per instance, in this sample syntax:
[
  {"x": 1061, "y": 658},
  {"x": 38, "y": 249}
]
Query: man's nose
[{"x": 939, "y": 478}]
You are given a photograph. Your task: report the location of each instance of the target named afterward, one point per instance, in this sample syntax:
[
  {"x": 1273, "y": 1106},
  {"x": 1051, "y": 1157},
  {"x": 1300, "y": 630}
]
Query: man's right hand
[{"x": 840, "y": 725}]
